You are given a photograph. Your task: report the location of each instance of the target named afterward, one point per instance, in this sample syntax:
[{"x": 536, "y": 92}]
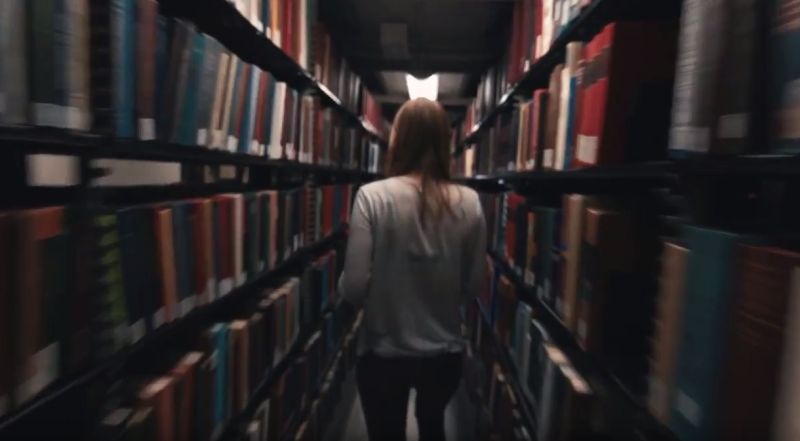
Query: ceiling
[{"x": 385, "y": 39}]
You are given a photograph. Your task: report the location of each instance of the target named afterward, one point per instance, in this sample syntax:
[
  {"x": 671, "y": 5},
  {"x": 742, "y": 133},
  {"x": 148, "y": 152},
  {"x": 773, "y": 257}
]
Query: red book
[
  {"x": 327, "y": 209},
  {"x": 583, "y": 151},
  {"x": 629, "y": 55},
  {"x": 225, "y": 239},
  {"x": 258, "y": 130}
]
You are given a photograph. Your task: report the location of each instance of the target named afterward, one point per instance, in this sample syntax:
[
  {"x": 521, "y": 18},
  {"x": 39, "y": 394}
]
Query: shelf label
[
  {"x": 147, "y": 129},
  {"x": 176, "y": 310},
  {"x": 225, "y": 286},
  {"x": 202, "y": 137},
  {"x": 158, "y": 318},
  {"x": 582, "y": 331},
  {"x": 45, "y": 371},
  {"x": 137, "y": 331},
  {"x": 688, "y": 408},
  {"x": 210, "y": 290}
]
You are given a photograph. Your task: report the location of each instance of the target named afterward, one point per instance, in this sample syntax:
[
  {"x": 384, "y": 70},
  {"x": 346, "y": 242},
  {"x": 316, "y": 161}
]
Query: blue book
[
  {"x": 189, "y": 118},
  {"x": 707, "y": 312},
  {"x": 569, "y": 143},
  {"x": 337, "y": 205},
  {"x": 220, "y": 333},
  {"x": 165, "y": 29},
  {"x": 546, "y": 241},
  {"x": 248, "y": 111},
  {"x": 124, "y": 62},
  {"x": 132, "y": 276}
]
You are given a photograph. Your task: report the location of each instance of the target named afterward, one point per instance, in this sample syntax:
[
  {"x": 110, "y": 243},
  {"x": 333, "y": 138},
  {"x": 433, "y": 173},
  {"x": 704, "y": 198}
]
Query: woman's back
[
  {"x": 421, "y": 271},
  {"x": 415, "y": 254}
]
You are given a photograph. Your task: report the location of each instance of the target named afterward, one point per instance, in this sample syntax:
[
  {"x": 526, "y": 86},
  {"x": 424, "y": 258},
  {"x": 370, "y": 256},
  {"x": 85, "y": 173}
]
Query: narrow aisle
[{"x": 457, "y": 418}]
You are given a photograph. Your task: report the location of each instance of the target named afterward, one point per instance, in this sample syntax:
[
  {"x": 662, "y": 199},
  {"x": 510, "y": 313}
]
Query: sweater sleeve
[
  {"x": 474, "y": 268},
  {"x": 354, "y": 281}
]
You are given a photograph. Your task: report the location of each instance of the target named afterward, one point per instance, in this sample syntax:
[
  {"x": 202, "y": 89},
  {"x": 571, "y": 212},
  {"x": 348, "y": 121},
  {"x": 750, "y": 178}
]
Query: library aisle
[{"x": 177, "y": 179}]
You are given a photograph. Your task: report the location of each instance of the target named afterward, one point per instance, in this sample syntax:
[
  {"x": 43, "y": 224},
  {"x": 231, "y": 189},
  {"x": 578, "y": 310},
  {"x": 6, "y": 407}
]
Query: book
[
  {"x": 668, "y": 323},
  {"x": 707, "y": 319},
  {"x": 759, "y": 345}
]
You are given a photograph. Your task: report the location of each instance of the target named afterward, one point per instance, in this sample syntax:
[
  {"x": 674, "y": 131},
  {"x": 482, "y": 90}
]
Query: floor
[{"x": 458, "y": 411}]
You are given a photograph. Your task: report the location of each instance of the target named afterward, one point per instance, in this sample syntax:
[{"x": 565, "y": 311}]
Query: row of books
[
  {"x": 698, "y": 325},
  {"x": 158, "y": 262},
  {"x": 158, "y": 77},
  {"x": 535, "y": 25},
  {"x": 498, "y": 415},
  {"x": 294, "y": 27},
  {"x": 197, "y": 397},
  {"x": 559, "y": 397},
  {"x": 317, "y": 403},
  {"x": 614, "y": 102},
  {"x": 576, "y": 122}
]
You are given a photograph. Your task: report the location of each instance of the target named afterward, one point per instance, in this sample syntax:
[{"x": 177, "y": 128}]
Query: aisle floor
[{"x": 457, "y": 418}]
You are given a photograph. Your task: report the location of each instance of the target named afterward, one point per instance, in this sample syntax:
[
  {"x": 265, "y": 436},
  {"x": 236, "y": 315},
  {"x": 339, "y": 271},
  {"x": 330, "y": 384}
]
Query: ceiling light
[{"x": 423, "y": 88}]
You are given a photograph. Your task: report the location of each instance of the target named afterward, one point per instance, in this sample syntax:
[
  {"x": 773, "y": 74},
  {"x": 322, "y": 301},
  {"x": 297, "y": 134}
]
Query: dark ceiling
[{"x": 384, "y": 39}]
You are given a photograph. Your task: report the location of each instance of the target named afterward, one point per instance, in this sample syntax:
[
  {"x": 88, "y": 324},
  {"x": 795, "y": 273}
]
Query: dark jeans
[{"x": 384, "y": 385}]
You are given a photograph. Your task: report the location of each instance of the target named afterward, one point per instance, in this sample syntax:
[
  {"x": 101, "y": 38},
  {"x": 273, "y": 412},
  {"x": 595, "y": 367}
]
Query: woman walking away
[{"x": 415, "y": 255}]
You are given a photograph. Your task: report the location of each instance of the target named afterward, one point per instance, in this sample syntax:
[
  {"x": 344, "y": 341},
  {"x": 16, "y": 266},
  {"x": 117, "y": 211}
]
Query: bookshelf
[
  {"x": 599, "y": 378},
  {"x": 55, "y": 399},
  {"x": 303, "y": 178},
  {"x": 679, "y": 219},
  {"x": 588, "y": 22}
]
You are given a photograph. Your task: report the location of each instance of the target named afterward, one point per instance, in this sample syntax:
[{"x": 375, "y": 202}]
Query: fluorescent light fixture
[{"x": 423, "y": 88}]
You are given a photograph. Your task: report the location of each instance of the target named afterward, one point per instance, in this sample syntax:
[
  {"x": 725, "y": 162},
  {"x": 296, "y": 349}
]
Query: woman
[{"x": 415, "y": 254}]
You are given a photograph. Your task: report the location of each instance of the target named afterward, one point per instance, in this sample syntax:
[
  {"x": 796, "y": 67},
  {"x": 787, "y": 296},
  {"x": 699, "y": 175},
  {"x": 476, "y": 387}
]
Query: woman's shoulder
[
  {"x": 462, "y": 193},
  {"x": 465, "y": 194},
  {"x": 378, "y": 186}
]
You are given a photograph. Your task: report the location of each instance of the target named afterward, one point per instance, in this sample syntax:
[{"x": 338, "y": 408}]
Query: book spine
[
  {"x": 41, "y": 29},
  {"x": 784, "y": 427},
  {"x": 15, "y": 65},
  {"x": 62, "y": 51},
  {"x": 785, "y": 87},
  {"x": 246, "y": 137},
  {"x": 696, "y": 70},
  {"x": 183, "y": 67},
  {"x": 214, "y": 131},
  {"x": 207, "y": 82},
  {"x": 148, "y": 54},
  {"x": 125, "y": 67},
  {"x": 191, "y": 96},
  {"x": 164, "y": 34}
]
